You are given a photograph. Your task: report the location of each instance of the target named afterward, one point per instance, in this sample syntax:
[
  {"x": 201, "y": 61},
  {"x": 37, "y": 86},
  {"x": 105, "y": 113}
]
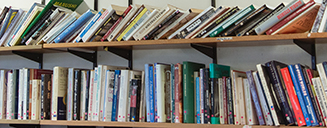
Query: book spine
[
  {"x": 77, "y": 95},
  {"x": 70, "y": 92},
  {"x": 220, "y": 99},
  {"x": 299, "y": 94},
  {"x": 255, "y": 97},
  {"x": 107, "y": 102},
  {"x": 320, "y": 96},
  {"x": 289, "y": 18},
  {"x": 178, "y": 94},
  {"x": 225, "y": 107},
  {"x": 104, "y": 27},
  {"x": 230, "y": 101},
  {"x": 35, "y": 106},
  {"x": 91, "y": 88},
  {"x": 306, "y": 96},
  {"x": 206, "y": 97},
  {"x": 250, "y": 110},
  {"x": 115, "y": 96},
  {"x": 265, "y": 109},
  {"x": 136, "y": 26},
  {"x": 3, "y": 94},
  {"x": 172, "y": 85},
  {"x": 240, "y": 98},
  {"x": 223, "y": 26},
  {"x": 87, "y": 94},
  {"x": 83, "y": 95},
  {"x": 215, "y": 114},
  {"x": 123, "y": 98},
  {"x": 315, "y": 108},
  {"x": 134, "y": 100},
  {"x": 319, "y": 17},
  {"x": 198, "y": 109},
  {"x": 9, "y": 96},
  {"x": 294, "y": 99},
  {"x": 112, "y": 28},
  {"x": 87, "y": 28},
  {"x": 202, "y": 95},
  {"x": 147, "y": 90},
  {"x": 20, "y": 94},
  {"x": 294, "y": 5}
]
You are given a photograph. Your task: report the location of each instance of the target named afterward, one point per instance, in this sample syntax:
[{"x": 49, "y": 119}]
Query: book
[
  {"x": 12, "y": 94},
  {"x": 85, "y": 88},
  {"x": 36, "y": 99},
  {"x": 17, "y": 17},
  {"x": 240, "y": 85},
  {"x": 228, "y": 22},
  {"x": 319, "y": 17},
  {"x": 6, "y": 22},
  {"x": 172, "y": 85},
  {"x": 45, "y": 96},
  {"x": 198, "y": 107},
  {"x": 320, "y": 95},
  {"x": 4, "y": 13},
  {"x": 59, "y": 82},
  {"x": 296, "y": 25},
  {"x": 230, "y": 107},
  {"x": 161, "y": 83},
  {"x": 289, "y": 18},
  {"x": 188, "y": 87},
  {"x": 76, "y": 94},
  {"x": 135, "y": 100},
  {"x": 178, "y": 93},
  {"x": 250, "y": 109},
  {"x": 108, "y": 96},
  {"x": 64, "y": 3},
  {"x": 298, "y": 112},
  {"x": 234, "y": 75},
  {"x": 91, "y": 88},
  {"x": 291, "y": 7},
  {"x": 20, "y": 95},
  {"x": 205, "y": 99},
  {"x": 3, "y": 92}
]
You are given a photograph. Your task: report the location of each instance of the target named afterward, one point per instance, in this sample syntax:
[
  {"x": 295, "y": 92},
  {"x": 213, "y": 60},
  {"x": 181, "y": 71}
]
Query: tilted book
[{"x": 319, "y": 17}]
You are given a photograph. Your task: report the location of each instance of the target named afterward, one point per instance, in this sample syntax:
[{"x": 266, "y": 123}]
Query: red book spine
[
  {"x": 225, "y": 100},
  {"x": 315, "y": 94},
  {"x": 290, "y": 17},
  {"x": 178, "y": 94},
  {"x": 293, "y": 98},
  {"x": 115, "y": 24}
]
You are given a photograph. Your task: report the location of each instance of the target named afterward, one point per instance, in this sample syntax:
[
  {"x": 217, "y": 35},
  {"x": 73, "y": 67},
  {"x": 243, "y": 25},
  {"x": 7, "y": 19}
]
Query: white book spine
[
  {"x": 20, "y": 94},
  {"x": 26, "y": 94},
  {"x": 70, "y": 94},
  {"x": 250, "y": 110},
  {"x": 83, "y": 95},
  {"x": 160, "y": 81},
  {"x": 102, "y": 80},
  {"x": 110, "y": 76},
  {"x": 323, "y": 22},
  {"x": 323, "y": 77},
  {"x": 90, "y": 110},
  {"x": 35, "y": 99},
  {"x": 3, "y": 94},
  {"x": 123, "y": 94},
  {"x": 320, "y": 96},
  {"x": 262, "y": 99},
  {"x": 240, "y": 89},
  {"x": 54, "y": 94},
  {"x": 267, "y": 94},
  {"x": 95, "y": 110},
  {"x": 221, "y": 101},
  {"x": 236, "y": 103},
  {"x": 9, "y": 96}
]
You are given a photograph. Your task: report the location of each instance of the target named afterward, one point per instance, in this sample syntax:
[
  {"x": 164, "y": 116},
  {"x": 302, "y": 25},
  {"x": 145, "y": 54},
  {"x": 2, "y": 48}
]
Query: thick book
[
  {"x": 289, "y": 18},
  {"x": 297, "y": 71},
  {"x": 188, "y": 87},
  {"x": 45, "y": 96},
  {"x": 16, "y": 18},
  {"x": 84, "y": 100},
  {"x": 228, "y": 22},
  {"x": 278, "y": 84},
  {"x": 105, "y": 27},
  {"x": 301, "y": 23},
  {"x": 293, "y": 97},
  {"x": 3, "y": 92},
  {"x": 319, "y": 17},
  {"x": 250, "y": 109},
  {"x": 262, "y": 99},
  {"x": 36, "y": 99},
  {"x": 108, "y": 96},
  {"x": 320, "y": 95},
  {"x": 255, "y": 98},
  {"x": 217, "y": 71},
  {"x": 64, "y": 3},
  {"x": 242, "y": 115},
  {"x": 7, "y": 20},
  {"x": 291, "y": 7},
  {"x": 205, "y": 93},
  {"x": 234, "y": 75},
  {"x": 135, "y": 100},
  {"x": 178, "y": 71},
  {"x": 12, "y": 94},
  {"x": 59, "y": 90}
]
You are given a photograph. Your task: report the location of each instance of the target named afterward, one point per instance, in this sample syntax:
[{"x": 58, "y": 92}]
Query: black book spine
[
  {"x": 169, "y": 20},
  {"x": 77, "y": 94},
  {"x": 135, "y": 100},
  {"x": 217, "y": 22},
  {"x": 45, "y": 96},
  {"x": 277, "y": 9},
  {"x": 38, "y": 25},
  {"x": 230, "y": 101},
  {"x": 279, "y": 91},
  {"x": 206, "y": 98},
  {"x": 230, "y": 31},
  {"x": 105, "y": 27},
  {"x": 15, "y": 86},
  {"x": 314, "y": 101},
  {"x": 214, "y": 97},
  {"x": 42, "y": 97},
  {"x": 87, "y": 94}
]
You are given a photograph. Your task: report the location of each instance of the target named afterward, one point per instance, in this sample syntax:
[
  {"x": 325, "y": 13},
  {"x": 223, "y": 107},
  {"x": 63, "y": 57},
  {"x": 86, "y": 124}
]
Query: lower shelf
[
  {"x": 29, "y": 122},
  {"x": 144, "y": 124}
]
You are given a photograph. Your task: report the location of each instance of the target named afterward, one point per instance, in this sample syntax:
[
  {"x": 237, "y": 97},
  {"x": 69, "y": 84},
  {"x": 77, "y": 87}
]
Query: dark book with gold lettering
[{"x": 45, "y": 96}]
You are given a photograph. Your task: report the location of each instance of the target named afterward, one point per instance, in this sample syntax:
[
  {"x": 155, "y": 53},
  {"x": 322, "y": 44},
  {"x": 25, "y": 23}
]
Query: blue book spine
[
  {"x": 255, "y": 98},
  {"x": 198, "y": 107},
  {"x": 306, "y": 96},
  {"x": 299, "y": 93},
  {"x": 151, "y": 94},
  {"x": 147, "y": 91},
  {"x": 94, "y": 19},
  {"x": 155, "y": 93},
  {"x": 74, "y": 26},
  {"x": 5, "y": 23},
  {"x": 114, "y": 98},
  {"x": 172, "y": 80}
]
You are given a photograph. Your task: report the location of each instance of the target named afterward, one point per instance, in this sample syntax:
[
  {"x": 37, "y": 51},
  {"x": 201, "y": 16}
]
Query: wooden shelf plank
[
  {"x": 21, "y": 48},
  {"x": 144, "y": 124},
  {"x": 4, "y": 121},
  {"x": 189, "y": 41}
]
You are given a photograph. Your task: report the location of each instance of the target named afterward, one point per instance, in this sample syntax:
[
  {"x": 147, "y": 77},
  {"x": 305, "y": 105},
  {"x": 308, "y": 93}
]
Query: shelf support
[
  {"x": 210, "y": 51},
  {"x": 36, "y": 57},
  {"x": 124, "y": 53},
  {"x": 96, "y": 3},
  {"x": 309, "y": 46},
  {"x": 213, "y": 3},
  {"x": 92, "y": 57},
  {"x": 130, "y": 2},
  {"x": 25, "y": 125}
]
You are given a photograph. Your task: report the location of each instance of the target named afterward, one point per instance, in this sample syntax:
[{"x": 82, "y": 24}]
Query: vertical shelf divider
[
  {"x": 309, "y": 46},
  {"x": 36, "y": 57}
]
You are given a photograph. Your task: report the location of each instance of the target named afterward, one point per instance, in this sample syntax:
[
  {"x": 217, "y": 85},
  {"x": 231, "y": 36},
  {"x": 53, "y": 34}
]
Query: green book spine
[
  {"x": 216, "y": 71},
  {"x": 231, "y": 21},
  {"x": 70, "y": 4},
  {"x": 188, "y": 88}
]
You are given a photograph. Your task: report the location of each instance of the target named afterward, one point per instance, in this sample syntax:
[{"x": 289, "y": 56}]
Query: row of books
[{"x": 56, "y": 24}]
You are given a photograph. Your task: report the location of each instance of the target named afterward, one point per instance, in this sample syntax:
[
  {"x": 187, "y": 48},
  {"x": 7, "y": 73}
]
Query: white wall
[{"x": 241, "y": 58}]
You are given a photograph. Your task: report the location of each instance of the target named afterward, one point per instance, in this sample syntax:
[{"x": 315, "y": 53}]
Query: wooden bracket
[{"x": 309, "y": 46}]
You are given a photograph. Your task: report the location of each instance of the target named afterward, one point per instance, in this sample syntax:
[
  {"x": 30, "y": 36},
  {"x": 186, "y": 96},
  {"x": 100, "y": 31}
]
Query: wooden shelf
[
  {"x": 30, "y": 48},
  {"x": 29, "y": 122},
  {"x": 144, "y": 124}
]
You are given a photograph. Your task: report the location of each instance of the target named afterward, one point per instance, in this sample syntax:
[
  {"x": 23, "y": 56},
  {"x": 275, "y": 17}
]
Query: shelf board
[
  {"x": 144, "y": 124},
  {"x": 29, "y": 122},
  {"x": 221, "y": 41}
]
